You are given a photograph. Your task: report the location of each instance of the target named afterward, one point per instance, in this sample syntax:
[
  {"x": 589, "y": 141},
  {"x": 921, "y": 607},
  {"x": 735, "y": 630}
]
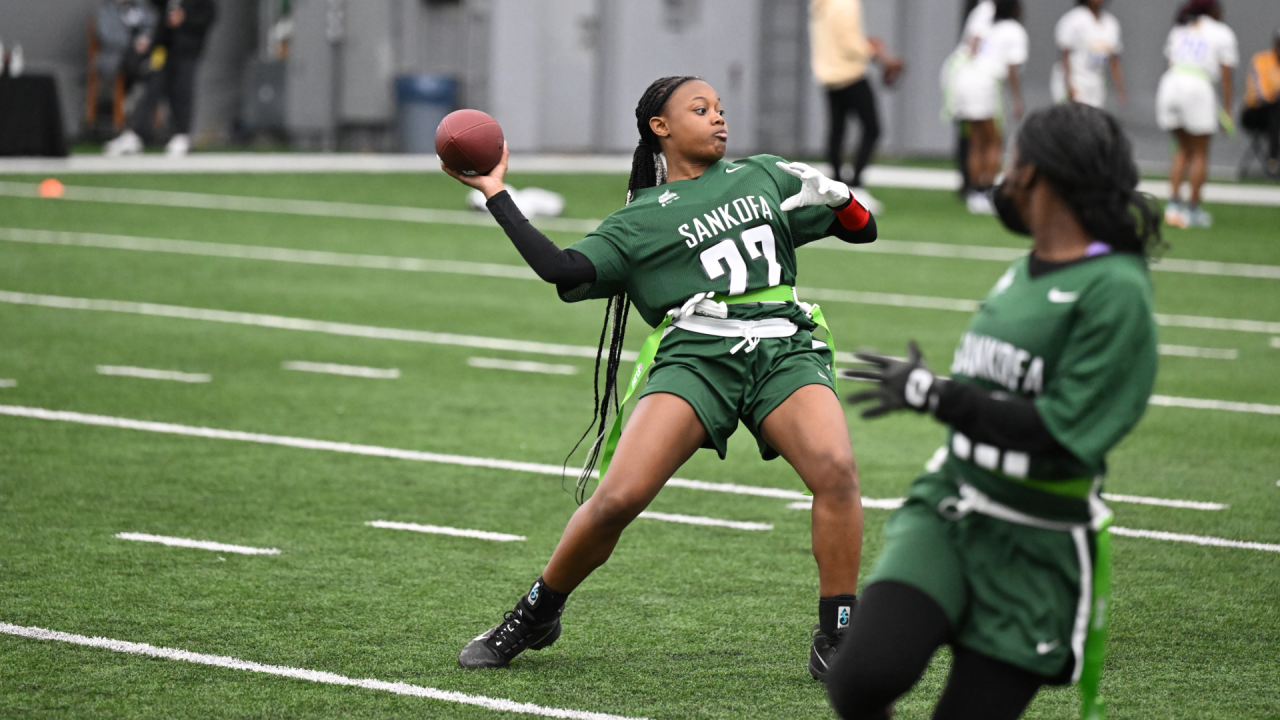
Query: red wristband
[{"x": 853, "y": 216}]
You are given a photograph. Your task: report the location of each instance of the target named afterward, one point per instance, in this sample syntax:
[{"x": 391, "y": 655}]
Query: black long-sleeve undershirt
[
  {"x": 993, "y": 417},
  {"x": 569, "y": 268}
]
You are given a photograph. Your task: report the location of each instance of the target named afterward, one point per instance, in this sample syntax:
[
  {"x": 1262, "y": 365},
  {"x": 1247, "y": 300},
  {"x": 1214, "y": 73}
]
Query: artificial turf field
[{"x": 684, "y": 622}]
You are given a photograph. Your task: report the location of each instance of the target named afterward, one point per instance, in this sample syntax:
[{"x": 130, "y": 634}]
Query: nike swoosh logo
[
  {"x": 1059, "y": 296},
  {"x": 1044, "y": 648},
  {"x": 733, "y": 170}
]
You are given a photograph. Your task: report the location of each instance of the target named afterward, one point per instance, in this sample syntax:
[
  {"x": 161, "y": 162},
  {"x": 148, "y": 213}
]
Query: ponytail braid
[
  {"x": 648, "y": 169},
  {"x": 1087, "y": 157}
]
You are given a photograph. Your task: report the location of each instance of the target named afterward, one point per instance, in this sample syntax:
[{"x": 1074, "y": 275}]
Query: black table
[{"x": 30, "y": 117}]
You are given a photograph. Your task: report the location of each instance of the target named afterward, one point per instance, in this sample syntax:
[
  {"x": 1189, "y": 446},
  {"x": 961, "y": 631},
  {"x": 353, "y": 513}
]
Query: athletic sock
[
  {"x": 542, "y": 602},
  {"x": 835, "y": 613}
]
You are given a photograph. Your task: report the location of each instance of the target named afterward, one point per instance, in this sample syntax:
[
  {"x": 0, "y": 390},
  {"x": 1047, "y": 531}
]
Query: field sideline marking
[
  {"x": 895, "y": 503},
  {"x": 336, "y": 369},
  {"x": 521, "y": 272},
  {"x": 150, "y": 374},
  {"x": 458, "y": 267},
  {"x": 197, "y": 544},
  {"x": 700, "y": 520},
  {"x": 421, "y": 456},
  {"x": 1196, "y": 539},
  {"x": 423, "y": 336},
  {"x": 8, "y": 383},
  {"x": 316, "y": 676},
  {"x": 439, "y": 530},
  {"x": 521, "y": 366},
  {"x": 1198, "y": 352}
]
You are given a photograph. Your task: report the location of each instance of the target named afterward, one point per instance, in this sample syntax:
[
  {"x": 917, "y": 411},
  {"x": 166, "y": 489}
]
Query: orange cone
[{"x": 51, "y": 188}]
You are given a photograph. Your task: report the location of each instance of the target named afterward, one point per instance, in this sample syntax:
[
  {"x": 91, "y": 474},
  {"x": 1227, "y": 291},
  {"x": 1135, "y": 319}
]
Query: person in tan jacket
[{"x": 842, "y": 54}]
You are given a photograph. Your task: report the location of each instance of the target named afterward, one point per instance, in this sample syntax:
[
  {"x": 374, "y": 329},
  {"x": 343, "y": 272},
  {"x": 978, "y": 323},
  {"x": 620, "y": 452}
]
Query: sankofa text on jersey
[
  {"x": 727, "y": 216},
  {"x": 986, "y": 358}
]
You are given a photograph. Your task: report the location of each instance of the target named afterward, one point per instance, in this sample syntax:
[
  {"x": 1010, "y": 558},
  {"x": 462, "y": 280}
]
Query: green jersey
[
  {"x": 1080, "y": 341},
  {"x": 721, "y": 232}
]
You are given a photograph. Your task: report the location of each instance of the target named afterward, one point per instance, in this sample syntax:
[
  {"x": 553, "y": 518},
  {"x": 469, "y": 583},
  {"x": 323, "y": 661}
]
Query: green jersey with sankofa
[
  {"x": 1081, "y": 341},
  {"x": 721, "y": 232}
]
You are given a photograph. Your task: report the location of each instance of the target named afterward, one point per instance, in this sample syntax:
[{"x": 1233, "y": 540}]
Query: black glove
[{"x": 903, "y": 385}]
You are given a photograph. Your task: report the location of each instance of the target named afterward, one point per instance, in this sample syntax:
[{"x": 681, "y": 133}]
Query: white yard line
[
  {"x": 439, "y": 530},
  {"x": 518, "y": 272},
  {"x": 8, "y": 383},
  {"x": 1196, "y": 539},
  {"x": 315, "y": 676},
  {"x": 1275, "y": 342},
  {"x": 198, "y": 544},
  {"x": 151, "y": 374},
  {"x": 286, "y": 206},
  {"x": 876, "y": 175},
  {"x": 287, "y": 323},
  {"x": 521, "y": 366},
  {"x": 1207, "y": 404},
  {"x": 336, "y": 369},
  {"x": 895, "y": 503},
  {"x": 465, "y": 460},
  {"x": 273, "y": 254},
  {"x": 1199, "y": 352},
  {"x": 521, "y": 272},
  {"x": 995, "y": 253},
  {"x": 699, "y": 520}
]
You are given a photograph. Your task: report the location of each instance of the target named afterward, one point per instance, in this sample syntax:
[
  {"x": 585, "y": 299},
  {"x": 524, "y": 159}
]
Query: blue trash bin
[{"x": 422, "y": 101}]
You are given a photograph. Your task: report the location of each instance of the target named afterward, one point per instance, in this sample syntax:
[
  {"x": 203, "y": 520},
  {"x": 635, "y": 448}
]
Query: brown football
[{"x": 469, "y": 142}]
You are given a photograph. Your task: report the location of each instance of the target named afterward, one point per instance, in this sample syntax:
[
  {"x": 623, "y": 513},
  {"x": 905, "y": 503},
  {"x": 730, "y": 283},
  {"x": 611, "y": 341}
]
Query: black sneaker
[
  {"x": 823, "y": 652},
  {"x": 518, "y": 632}
]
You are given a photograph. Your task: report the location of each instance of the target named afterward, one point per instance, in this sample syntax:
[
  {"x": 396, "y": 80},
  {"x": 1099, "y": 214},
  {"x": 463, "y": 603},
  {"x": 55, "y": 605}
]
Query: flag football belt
[
  {"x": 689, "y": 318},
  {"x": 1091, "y": 652}
]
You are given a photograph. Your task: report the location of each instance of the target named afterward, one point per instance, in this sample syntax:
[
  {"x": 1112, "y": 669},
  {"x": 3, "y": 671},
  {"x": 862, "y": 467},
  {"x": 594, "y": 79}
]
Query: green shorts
[
  {"x": 1011, "y": 592},
  {"x": 724, "y": 388}
]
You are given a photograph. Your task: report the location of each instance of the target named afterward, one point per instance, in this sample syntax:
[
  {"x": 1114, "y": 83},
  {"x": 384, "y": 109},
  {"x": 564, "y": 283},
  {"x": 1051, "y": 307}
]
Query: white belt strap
[
  {"x": 974, "y": 500},
  {"x": 751, "y": 331}
]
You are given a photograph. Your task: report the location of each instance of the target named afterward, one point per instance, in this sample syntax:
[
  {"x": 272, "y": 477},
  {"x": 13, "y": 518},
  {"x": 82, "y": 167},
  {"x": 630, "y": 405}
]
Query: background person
[
  {"x": 979, "y": 14},
  {"x": 125, "y": 30},
  {"x": 974, "y": 85},
  {"x": 706, "y": 251},
  {"x": 842, "y": 53},
  {"x": 1262, "y": 100},
  {"x": 181, "y": 41},
  {"x": 1001, "y": 549},
  {"x": 1089, "y": 38},
  {"x": 1201, "y": 50}
]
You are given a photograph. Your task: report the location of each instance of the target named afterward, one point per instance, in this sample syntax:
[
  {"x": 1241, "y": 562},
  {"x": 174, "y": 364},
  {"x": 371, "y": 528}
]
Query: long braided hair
[
  {"x": 1087, "y": 157},
  {"x": 648, "y": 169}
]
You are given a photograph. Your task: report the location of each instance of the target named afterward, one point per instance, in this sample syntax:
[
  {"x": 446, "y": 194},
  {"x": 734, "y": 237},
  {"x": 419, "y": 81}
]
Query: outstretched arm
[{"x": 563, "y": 267}]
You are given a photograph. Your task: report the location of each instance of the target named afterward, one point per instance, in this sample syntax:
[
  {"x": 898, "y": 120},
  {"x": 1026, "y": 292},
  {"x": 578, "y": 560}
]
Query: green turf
[{"x": 683, "y": 622}]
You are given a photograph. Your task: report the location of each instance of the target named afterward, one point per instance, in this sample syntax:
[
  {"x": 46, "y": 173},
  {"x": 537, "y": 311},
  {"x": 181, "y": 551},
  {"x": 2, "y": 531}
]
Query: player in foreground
[
  {"x": 706, "y": 250},
  {"x": 1201, "y": 51},
  {"x": 1002, "y": 550}
]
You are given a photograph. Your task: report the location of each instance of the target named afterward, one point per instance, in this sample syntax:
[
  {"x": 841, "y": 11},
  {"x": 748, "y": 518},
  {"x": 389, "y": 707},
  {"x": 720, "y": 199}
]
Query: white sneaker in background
[
  {"x": 979, "y": 203},
  {"x": 1175, "y": 215},
  {"x": 127, "y": 144},
  {"x": 1199, "y": 217},
  {"x": 179, "y": 145},
  {"x": 867, "y": 200}
]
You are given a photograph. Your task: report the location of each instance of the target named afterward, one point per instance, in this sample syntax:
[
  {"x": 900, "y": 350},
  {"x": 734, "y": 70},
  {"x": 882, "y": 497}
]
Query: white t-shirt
[
  {"x": 1003, "y": 45},
  {"x": 1206, "y": 44},
  {"x": 1091, "y": 41}
]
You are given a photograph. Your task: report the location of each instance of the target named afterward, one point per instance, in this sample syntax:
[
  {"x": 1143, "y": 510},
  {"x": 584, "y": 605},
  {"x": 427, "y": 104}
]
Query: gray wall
[
  {"x": 54, "y": 38},
  {"x": 564, "y": 75}
]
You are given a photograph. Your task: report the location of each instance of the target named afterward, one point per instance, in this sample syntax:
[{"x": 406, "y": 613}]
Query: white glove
[{"x": 815, "y": 188}]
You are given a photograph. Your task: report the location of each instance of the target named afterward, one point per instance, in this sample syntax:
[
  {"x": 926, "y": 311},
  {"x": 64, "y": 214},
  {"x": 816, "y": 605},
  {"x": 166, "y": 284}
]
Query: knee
[
  {"x": 837, "y": 474},
  {"x": 614, "y": 511}
]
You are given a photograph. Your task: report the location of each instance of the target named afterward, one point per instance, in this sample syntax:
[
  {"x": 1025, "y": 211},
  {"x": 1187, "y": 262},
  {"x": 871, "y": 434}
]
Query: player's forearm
[
  {"x": 1117, "y": 75},
  {"x": 995, "y": 418},
  {"x": 853, "y": 224},
  {"x": 562, "y": 267},
  {"x": 1226, "y": 88}
]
